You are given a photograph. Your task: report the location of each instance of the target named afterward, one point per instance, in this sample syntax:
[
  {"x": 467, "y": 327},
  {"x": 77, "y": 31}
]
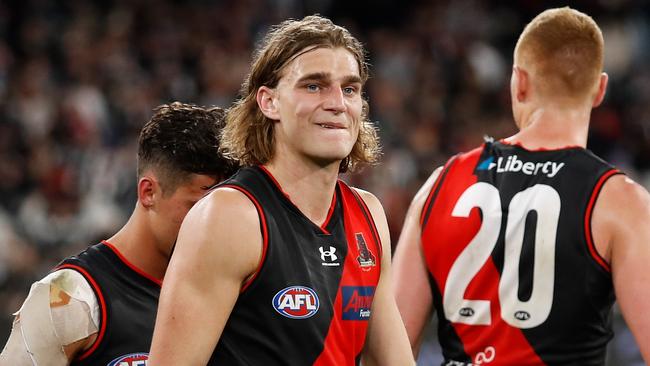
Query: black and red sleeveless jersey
[
  {"x": 515, "y": 276},
  {"x": 128, "y": 300},
  {"x": 310, "y": 301}
]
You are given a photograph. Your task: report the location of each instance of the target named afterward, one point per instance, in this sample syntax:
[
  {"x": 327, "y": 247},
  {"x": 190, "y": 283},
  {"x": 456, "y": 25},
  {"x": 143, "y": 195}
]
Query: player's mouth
[{"x": 332, "y": 125}]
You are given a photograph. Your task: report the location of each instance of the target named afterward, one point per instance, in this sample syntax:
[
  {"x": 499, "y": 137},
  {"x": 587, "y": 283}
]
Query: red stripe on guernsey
[
  {"x": 329, "y": 215},
  {"x": 370, "y": 220},
  {"x": 131, "y": 265},
  {"x": 590, "y": 208},
  {"x": 434, "y": 189},
  {"x": 102, "y": 307},
  {"x": 265, "y": 234},
  {"x": 345, "y": 338},
  {"x": 277, "y": 184},
  {"x": 444, "y": 238}
]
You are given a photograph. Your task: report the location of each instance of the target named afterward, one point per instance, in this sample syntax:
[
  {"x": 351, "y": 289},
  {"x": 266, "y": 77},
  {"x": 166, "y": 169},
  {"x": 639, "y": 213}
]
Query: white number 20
[{"x": 521, "y": 314}]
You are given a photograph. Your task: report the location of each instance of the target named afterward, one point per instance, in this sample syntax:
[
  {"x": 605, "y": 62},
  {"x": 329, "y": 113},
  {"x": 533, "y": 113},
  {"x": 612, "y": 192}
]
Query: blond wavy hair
[{"x": 248, "y": 134}]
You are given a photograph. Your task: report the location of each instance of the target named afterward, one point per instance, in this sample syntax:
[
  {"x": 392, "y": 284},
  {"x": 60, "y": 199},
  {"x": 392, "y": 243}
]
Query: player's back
[{"x": 515, "y": 276}]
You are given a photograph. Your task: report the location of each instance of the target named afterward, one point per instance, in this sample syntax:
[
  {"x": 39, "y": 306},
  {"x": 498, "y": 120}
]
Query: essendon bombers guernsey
[
  {"x": 310, "y": 301},
  {"x": 128, "y": 300},
  {"x": 515, "y": 276}
]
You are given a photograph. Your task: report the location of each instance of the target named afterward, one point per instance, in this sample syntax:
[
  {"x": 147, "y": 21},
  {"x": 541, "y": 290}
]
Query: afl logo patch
[
  {"x": 296, "y": 302},
  {"x": 132, "y": 359}
]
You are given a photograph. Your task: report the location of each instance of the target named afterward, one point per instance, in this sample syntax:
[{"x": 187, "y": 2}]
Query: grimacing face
[{"x": 319, "y": 105}]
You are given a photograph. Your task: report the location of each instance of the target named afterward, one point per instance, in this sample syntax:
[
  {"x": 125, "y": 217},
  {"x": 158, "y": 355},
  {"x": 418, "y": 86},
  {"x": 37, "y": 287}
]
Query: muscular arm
[
  {"x": 621, "y": 230},
  {"x": 412, "y": 291},
  {"x": 386, "y": 342},
  {"x": 58, "y": 320},
  {"x": 218, "y": 247}
]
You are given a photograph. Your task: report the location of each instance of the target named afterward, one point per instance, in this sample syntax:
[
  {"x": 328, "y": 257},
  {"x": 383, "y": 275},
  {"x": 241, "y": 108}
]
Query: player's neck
[
  {"x": 310, "y": 187},
  {"x": 136, "y": 242},
  {"x": 552, "y": 128}
]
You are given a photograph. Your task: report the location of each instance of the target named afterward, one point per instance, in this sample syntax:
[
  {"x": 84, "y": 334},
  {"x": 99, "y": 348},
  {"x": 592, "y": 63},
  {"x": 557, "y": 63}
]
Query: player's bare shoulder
[
  {"x": 623, "y": 198},
  {"x": 370, "y": 199},
  {"x": 378, "y": 215},
  {"x": 423, "y": 193},
  {"x": 631, "y": 191},
  {"x": 225, "y": 203},
  {"x": 225, "y": 223},
  {"x": 621, "y": 211}
]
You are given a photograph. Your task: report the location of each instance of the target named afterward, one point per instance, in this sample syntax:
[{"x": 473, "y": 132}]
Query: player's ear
[
  {"x": 602, "y": 88},
  {"x": 147, "y": 190},
  {"x": 520, "y": 83},
  {"x": 267, "y": 101}
]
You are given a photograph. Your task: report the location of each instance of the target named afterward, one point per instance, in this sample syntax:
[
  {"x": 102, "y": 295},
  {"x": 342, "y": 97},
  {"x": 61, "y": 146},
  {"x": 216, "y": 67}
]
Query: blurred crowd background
[{"x": 78, "y": 79}]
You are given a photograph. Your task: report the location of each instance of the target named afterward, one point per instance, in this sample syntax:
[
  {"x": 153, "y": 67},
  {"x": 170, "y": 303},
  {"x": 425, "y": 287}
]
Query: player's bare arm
[
  {"x": 387, "y": 343},
  {"x": 57, "y": 322},
  {"x": 219, "y": 247},
  {"x": 412, "y": 291},
  {"x": 621, "y": 232}
]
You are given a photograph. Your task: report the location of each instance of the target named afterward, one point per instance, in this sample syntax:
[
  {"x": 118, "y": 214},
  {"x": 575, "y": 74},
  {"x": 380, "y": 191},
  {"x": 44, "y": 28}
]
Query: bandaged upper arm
[{"x": 59, "y": 310}]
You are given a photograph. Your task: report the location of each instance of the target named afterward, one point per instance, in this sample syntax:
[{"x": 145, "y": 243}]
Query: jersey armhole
[
  {"x": 600, "y": 261},
  {"x": 264, "y": 230},
  {"x": 102, "y": 306},
  {"x": 433, "y": 194},
  {"x": 370, "y": 220}
]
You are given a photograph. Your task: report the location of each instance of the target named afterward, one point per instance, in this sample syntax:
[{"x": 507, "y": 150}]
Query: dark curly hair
[{"x": 180, "y": 140}]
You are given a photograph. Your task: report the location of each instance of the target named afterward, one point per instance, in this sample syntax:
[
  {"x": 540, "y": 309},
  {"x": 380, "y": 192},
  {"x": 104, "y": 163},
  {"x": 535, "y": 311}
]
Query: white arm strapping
[{"x": 59, "y": 310}]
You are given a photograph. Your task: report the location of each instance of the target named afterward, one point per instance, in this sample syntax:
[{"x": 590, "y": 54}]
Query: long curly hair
[{"x": 248, "y": 135}]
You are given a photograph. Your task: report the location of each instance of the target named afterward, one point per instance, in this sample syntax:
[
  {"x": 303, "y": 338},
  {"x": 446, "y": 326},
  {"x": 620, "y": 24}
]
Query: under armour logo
[{"x": 328, "y": 256}]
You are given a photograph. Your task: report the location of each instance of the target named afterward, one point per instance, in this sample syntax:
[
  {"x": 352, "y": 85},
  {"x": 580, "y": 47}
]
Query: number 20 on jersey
[{"x": 521, "y": 314}]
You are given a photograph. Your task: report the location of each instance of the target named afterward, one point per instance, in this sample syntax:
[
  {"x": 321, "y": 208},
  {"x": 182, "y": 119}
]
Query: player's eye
[{"x": 349, "y": 90}]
